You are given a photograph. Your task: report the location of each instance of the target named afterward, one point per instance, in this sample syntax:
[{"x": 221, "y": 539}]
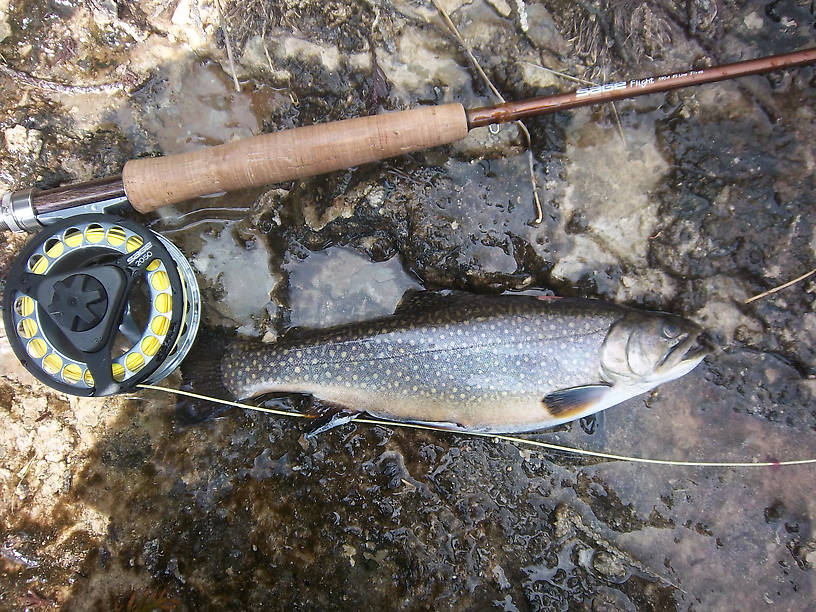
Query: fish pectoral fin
[{"x": 574, "y": 401}]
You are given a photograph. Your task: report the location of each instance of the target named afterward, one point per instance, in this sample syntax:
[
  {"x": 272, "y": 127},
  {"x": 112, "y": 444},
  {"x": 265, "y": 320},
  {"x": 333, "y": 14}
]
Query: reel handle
[{"x": 151, "y": 183}]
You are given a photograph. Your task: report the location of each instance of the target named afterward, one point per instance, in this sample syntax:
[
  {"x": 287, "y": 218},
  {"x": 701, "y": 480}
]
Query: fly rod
[{"x": 150, "y": 183}]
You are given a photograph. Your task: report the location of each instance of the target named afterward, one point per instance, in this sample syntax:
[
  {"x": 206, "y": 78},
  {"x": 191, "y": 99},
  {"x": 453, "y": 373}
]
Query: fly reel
[{"x": 96, "y": 304}]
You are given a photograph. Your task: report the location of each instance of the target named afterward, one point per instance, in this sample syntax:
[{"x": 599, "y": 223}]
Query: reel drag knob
[{"x": 78, "y": 303}]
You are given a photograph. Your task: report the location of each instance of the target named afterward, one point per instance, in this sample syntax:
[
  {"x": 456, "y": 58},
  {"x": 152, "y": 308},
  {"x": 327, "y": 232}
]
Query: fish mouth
[{"x": 692, "y": 350}]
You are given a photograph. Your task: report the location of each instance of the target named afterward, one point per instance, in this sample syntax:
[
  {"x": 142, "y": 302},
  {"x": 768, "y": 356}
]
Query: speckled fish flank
[{"x": 486, "y": 363}]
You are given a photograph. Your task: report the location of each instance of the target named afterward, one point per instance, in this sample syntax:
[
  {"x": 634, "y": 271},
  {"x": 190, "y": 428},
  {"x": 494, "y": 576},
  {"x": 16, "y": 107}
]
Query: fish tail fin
[{"x": 202, "y": 374}]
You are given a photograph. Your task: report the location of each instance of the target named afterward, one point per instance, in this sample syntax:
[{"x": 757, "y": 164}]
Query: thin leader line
[{"x": 512, "y": 439}]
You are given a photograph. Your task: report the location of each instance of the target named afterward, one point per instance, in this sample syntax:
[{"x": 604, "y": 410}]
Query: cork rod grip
[{"x": 281, "y": 156}]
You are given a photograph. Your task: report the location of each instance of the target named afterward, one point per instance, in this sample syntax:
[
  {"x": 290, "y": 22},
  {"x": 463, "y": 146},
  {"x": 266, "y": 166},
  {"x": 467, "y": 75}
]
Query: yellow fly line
[{"x": 512, "y": 439}]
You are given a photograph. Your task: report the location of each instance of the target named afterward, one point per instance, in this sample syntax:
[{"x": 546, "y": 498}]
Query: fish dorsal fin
[
  {"x": 574, "y": 401},
  {"x": 418, "y": 300}
]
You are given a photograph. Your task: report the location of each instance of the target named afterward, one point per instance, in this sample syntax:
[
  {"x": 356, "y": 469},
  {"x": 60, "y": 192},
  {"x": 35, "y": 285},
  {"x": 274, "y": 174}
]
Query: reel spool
[{"x": 96, "y": 304}]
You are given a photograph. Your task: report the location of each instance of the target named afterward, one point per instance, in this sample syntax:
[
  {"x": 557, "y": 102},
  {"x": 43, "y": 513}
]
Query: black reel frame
[{"x": 82, "y": 296}]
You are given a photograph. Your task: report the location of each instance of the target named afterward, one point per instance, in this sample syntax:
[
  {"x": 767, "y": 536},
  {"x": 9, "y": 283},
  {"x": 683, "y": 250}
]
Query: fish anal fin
[
  {"x": 326, "y": 416},
  {"x": 574, "y": 401}
]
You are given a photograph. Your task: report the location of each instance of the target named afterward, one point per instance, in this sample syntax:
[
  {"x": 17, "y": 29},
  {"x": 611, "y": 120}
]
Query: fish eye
[{"x": 670, "y": 331}]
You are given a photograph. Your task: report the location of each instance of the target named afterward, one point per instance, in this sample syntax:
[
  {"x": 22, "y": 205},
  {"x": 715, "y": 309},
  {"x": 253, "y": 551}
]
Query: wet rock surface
[{"x": 696, "y": 201}]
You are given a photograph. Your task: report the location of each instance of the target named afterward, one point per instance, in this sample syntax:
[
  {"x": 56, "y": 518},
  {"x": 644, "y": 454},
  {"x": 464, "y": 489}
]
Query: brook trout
[{"x": 508, "y": 363}]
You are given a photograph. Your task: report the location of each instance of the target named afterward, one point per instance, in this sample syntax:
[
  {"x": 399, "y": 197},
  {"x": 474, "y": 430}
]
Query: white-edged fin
[
  {"x": 573, "y": 402},
  {"x": 328, "y": 417}
]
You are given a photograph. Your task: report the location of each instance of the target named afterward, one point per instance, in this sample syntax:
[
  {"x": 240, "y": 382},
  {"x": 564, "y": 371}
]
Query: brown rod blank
[
  {"x": 269, "y": 158},
  {"x": 513, "y": 111}
]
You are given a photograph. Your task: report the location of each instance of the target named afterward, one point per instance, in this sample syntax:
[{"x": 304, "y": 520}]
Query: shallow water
[
  {"x": 338, "y": 285},
  {"x": 704, "y": 201}
]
